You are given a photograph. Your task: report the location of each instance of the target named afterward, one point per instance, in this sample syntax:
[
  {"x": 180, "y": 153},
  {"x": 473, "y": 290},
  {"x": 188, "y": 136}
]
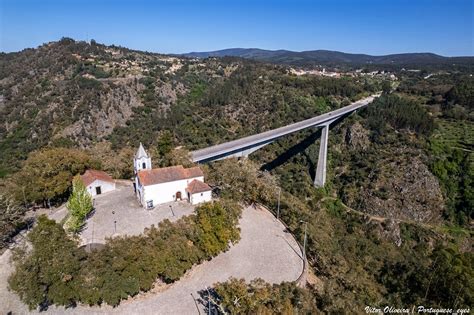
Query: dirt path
[
  {"x": 383, "y": 219},
  {"x": 265, "y": 251}
]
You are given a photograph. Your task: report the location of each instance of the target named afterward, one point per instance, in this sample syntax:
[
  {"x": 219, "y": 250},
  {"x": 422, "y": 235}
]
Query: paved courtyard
[
  {"x": 265, "y": 251},
  {"x": 118, "y": 213}
]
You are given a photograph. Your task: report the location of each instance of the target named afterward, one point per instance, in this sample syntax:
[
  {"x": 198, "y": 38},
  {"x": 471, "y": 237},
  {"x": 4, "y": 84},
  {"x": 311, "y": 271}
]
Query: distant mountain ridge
[{"x": 313, "y": 57}]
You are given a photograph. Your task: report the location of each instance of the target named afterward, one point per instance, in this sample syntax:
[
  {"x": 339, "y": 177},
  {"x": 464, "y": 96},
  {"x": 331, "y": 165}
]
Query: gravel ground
[
  {"x": 265, "y": 251},
  {"x": 122, "y": 207}
]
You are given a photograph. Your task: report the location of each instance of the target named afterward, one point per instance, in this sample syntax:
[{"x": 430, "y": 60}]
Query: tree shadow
[{"x": 209, "y": 303}]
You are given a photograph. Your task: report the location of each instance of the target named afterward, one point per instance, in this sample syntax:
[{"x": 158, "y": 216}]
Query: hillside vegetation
[
  {"x": 397, "y": 208},
  {"x": 57, "y": 272},
  {"x": 70, "y": 93}
]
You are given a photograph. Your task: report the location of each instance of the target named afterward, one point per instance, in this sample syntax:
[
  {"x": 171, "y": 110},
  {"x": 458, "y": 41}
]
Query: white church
[{"x": 161, "y": 185}]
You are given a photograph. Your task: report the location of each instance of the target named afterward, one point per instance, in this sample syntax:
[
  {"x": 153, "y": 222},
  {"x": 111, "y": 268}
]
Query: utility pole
[
  {"x": 195, "y": 303},
  {"x": 304, "y": 239},
  {"x": 172, "y": 212},
  {"x": 208, "y": 302},
  {"x": 115, "y": 222},
  {"x": 278, "y": 207}
]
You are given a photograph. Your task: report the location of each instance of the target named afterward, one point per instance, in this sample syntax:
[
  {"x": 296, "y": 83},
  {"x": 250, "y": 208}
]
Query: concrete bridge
[{"x": 244, "y": 146}]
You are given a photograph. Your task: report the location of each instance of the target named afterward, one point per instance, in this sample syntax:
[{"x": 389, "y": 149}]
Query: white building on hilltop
[
  {"x": 97, "y": 182},
  {"x": 161, "y": 185}
]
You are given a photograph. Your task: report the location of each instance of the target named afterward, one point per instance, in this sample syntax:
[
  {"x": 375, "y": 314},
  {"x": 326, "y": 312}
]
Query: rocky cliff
[{"x": 391, "y": 180}]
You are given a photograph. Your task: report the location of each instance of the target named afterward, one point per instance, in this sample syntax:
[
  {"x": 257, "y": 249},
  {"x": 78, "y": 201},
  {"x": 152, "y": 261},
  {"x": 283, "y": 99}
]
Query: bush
[
  {"x": 89, "y": 84},
  {"x": 57, "y": 272},
  {"x": 217, "y": 227},
  {"x": 258, "y": 297},
  {"x": 49, "y": 273},
  {"x": 11, "y": 218}
]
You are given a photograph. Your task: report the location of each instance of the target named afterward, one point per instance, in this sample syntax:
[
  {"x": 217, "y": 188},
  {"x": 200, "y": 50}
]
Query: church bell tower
[{"x": 142, "y": 160}]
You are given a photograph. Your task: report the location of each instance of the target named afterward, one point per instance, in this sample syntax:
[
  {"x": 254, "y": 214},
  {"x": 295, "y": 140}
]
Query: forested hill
[
  {"x": 70, "y": 93},
  {"x": 398, "y": 204},
  {"x": 322, "y": 57}
]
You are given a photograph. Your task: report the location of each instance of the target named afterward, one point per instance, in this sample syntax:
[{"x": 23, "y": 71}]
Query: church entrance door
[{"x": 178, "y": 195}]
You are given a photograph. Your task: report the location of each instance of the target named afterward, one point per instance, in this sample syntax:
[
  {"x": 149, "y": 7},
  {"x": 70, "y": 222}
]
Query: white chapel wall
[
  {"x": 166, "y": 192},
  {"x": 104, "y": 187},
  {"x": 201, "y": 197}
]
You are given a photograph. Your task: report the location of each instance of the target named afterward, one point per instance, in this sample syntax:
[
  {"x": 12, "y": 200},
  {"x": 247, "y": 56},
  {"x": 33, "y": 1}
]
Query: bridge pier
[
  {"x": 320, "y": 177},
  {"x": 244, "y": 146}
]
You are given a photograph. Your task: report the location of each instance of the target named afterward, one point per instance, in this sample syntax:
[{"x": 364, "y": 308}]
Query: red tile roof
[
  {"x": 168, "y": 174},
  {"x": 196, "y": 186},
  {"x": 91, "y": 175}
]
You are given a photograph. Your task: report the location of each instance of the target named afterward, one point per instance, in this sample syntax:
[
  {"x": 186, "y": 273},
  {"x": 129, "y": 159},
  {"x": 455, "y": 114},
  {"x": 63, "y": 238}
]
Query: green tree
[
  {"x": 79, "y": 205},
  {"x": 444, "y": 278},
  {"x": 163, "y": 154},
  {"x": 462, "y": 93},
  {"x": 386, "y": 86},
  {"x": 217, "y": 226},
  {"x": 180, "y": 156},
  {"x": 242, "y": 180},
  {"x": 11, "y": 218},
  {"x": 49, "y": 273},
  {"x": 165, "y": 142},
  {"x": 47, "y": 174},
  {"x": 399, "y": 113}
]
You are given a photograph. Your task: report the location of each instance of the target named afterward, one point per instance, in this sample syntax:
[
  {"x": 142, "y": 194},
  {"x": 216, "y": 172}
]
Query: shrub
[
  {"x": 258, "y": 297},
  {"x": 11, "y": 218},
  {"x": 217, "y": 227},
  {"x": 89, "y": 84},
  {"x": 57, "y": 272},
  {"x": 49, "y": 273}
]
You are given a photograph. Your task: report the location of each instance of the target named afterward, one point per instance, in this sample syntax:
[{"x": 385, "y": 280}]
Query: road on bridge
[{"x": 271, "y": 135}]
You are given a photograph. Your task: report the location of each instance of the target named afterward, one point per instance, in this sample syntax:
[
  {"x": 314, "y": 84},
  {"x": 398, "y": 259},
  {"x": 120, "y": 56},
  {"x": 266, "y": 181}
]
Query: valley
[{"x": 396, "y": 206}]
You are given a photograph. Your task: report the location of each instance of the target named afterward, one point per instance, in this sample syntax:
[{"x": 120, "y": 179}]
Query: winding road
[{"x": 265, "y": 251}]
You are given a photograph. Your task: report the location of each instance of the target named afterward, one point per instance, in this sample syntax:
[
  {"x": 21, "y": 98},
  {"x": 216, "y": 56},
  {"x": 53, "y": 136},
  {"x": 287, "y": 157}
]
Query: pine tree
[{"x": 79, "y": 205}]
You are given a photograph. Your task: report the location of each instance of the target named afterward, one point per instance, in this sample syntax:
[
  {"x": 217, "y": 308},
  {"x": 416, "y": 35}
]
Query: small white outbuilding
[
  {"x": 97, "y": 182},
  {"x": 198, "y": 192}
]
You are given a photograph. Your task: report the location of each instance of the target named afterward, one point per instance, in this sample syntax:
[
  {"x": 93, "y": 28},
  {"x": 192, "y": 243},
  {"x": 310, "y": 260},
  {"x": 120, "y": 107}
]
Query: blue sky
[{"x": 359, "y": 26}]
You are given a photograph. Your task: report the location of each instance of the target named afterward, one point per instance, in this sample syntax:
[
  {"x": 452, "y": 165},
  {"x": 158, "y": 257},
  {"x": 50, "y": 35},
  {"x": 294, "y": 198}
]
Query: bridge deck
[{"x": 268, "y": 136}]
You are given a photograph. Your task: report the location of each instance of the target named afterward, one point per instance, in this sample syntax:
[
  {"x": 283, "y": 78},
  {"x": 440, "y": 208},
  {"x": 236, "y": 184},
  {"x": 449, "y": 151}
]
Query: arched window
[{"x": 144, "y": 165}]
